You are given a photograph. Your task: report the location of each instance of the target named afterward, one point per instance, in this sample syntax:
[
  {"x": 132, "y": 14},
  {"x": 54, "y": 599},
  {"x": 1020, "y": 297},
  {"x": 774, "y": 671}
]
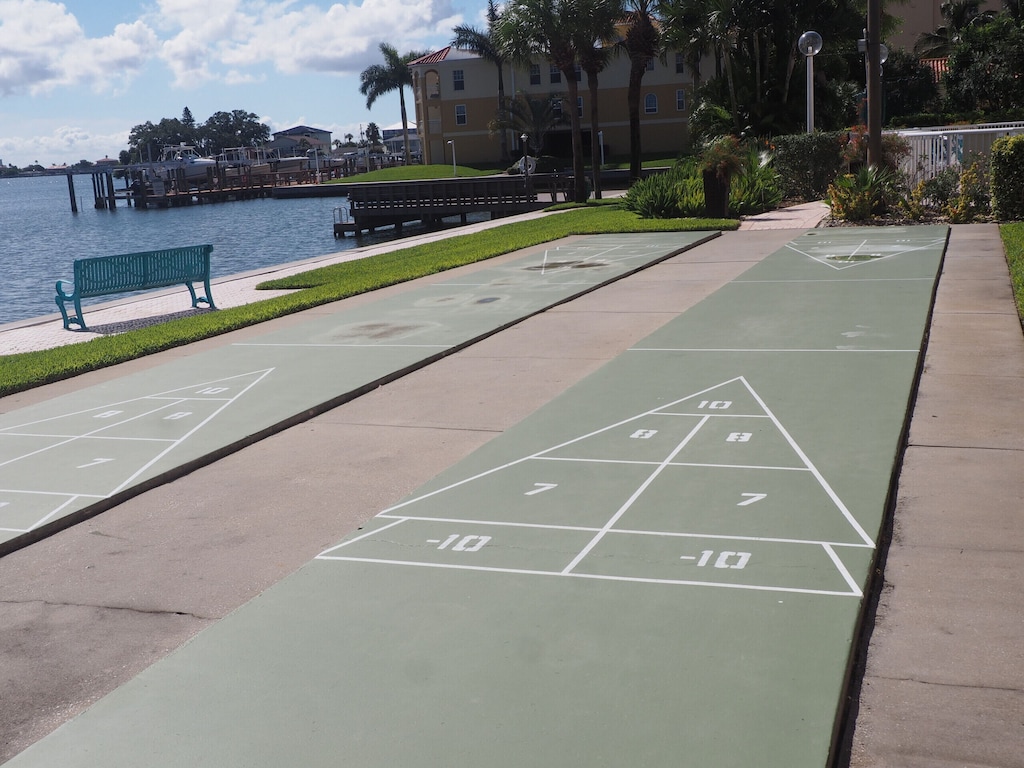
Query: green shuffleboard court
[
  {"x": 664, "y": 566},
  {"x": 70, "y": 457}
]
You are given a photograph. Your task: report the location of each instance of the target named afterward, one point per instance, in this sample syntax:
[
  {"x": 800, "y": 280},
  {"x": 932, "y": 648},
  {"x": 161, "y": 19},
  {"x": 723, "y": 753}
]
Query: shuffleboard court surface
[
  {"x": 67, "y": 458},
  {"x": 663, "y": 566}
]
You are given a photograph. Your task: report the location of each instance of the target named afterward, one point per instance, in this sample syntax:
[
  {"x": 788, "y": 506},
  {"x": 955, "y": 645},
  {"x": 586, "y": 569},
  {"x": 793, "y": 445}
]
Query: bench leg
[
  {"x": 75, "y": 319},
  {"x": 197, "y": 300}
]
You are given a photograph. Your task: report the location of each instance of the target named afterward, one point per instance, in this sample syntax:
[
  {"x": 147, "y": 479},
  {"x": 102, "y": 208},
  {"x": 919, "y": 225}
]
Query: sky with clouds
[{"x": 76, "y": 76}]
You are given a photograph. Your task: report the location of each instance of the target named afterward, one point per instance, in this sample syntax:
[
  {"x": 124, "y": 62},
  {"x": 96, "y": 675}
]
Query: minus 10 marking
[
  {"x": 726, "y": 559},
  {"x": 460, "y": 543}
]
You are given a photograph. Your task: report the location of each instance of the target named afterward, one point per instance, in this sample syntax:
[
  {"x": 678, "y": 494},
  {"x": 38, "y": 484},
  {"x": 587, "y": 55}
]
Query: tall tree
[
  {"x": 642, "y": 44},
  {"x": 594, "y": 54},
  {"x": 958, "y": 15},
  {"x": 393, "y": 75},
  {"x": 485, "y": 44},
  {"x": 549, "y": 29}
]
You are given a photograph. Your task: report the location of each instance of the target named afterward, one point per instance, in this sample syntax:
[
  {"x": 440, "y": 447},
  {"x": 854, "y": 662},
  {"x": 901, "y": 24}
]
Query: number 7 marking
[
  {"x": 541, "y": 487},
  {"x": 751, "y": 498},
  {"x": 93, "y": 463}
]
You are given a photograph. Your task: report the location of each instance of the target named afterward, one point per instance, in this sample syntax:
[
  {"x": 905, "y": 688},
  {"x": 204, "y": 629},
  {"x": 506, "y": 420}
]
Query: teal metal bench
[{"x": 104, "y": 275}]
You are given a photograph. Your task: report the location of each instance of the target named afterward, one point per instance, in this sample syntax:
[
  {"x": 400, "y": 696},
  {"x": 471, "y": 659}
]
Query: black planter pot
[{"x": 716, "y": 195}]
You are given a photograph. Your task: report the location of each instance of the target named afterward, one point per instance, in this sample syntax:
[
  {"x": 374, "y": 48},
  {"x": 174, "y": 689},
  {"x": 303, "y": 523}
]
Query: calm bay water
[{"x": 40, "y": 237}]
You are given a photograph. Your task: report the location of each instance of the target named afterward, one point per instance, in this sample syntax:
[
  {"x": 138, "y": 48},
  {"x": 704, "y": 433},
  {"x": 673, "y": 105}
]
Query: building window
[
  {"x": 458, "y": 80},
  {"x": 579, "y": 106},
  {"x": 681, "y": 100},
  {"x": 535, "y": 74},
  {"x": 680, "y": 64},
  {"x": 555, "y": 74},
  {"x": 460, "y": 114},
  {"x": 650, "y": 65},
  {"x": 650, "y": 104},
  {"x": 556, "y": 107}
]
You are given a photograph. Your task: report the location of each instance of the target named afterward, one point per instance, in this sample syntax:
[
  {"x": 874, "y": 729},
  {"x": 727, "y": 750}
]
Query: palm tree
[
  {"x": 486, "y": 45},
  {"x": 534, "y": 116},
  {"x": 685, "y": 29},
  {"x": 393, "y": 75},
  {"x": 958, "y": 15},
  {"x": 594, "y": 55},
  {"x": 642, "y": 44},
  {"x": 549, "y": 29}
]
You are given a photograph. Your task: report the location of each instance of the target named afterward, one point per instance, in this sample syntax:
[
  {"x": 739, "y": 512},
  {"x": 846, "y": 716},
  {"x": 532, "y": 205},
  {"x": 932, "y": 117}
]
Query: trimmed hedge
[
  {"x": 808, "y": 162},
  {"x": 1006, "y": 166}
]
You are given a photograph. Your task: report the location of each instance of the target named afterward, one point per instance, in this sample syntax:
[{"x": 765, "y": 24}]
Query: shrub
[
  {"x": 807, "y": 163},
  {"x": 677, "y": 193},
  {"x": 757, "y": 187},
  {"x": 971, "y": 199},
  {"x": 871, "y": 191},
  {"x": 1007, "y": 178}
]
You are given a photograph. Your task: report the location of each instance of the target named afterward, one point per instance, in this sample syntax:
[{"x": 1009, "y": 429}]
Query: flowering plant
[{"x": 722, "y": 156}]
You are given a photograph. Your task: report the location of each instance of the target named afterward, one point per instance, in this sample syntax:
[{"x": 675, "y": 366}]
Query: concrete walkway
[{"x": 944, "y": 680}]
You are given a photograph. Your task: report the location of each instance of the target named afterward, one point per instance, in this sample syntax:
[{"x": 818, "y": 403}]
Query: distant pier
[{"x": 380, "y": 204}]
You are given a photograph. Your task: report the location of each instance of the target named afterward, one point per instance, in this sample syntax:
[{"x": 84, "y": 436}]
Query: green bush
[
  {"x": 1007, "y": 178},
  {"x": 808, "y": 162},
  {"x": 871, "y": 191},
  {"x": 676, "y": 193}
]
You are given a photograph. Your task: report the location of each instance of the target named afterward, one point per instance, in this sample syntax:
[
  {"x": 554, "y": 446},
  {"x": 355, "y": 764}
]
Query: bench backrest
[{"x": 148, "y": 269}]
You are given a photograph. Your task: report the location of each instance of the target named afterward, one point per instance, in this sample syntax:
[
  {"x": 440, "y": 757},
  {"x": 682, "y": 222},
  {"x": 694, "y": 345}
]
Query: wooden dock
[{"x": 380, "y": 204}]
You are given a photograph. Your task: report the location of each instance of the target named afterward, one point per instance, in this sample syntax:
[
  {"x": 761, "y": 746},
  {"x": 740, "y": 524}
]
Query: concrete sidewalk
[{"x": 944, "y": 680}]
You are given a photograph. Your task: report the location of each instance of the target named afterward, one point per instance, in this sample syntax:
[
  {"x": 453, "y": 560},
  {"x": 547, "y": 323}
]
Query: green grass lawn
[
  {"x": 1013, "y": 243},
  {"x": 321, "y": 286},
  {"x": 413, "y": 173}
]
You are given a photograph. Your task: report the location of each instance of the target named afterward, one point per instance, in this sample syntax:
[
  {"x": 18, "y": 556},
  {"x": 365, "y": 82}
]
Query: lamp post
[
  {"x": 810, "y": 46},
  {"x": 525, "y": 139},
  {"x": 455, "y": 170}
]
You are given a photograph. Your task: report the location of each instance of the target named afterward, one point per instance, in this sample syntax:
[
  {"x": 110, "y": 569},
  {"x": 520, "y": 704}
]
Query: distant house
[
  {"x": 394, "y": 140},
  {"x": 299, "y": 140}
]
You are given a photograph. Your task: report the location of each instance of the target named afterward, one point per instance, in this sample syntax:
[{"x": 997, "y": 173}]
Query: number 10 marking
[{"x": 722, "y": 561}]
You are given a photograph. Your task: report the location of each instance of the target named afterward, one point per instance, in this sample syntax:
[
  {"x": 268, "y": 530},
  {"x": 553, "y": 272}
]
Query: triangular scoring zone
[
  {"x": 732, "y": 399},
  {"x": 33, "y": 487},
  {"x": 841, "y": 252}
]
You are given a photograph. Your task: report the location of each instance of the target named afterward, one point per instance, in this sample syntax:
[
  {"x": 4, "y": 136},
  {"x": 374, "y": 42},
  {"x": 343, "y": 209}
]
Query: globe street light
[
  {"x": 455, "y": 170},
  {"x": 810, "y": 46},
  {"x": 525, "y": 139}
]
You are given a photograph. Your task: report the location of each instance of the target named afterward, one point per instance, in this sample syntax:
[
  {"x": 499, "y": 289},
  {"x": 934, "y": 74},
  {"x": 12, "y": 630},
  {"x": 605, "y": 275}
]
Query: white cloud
[
  {"x": 66, "y": 144},
  {"x": 43, "y": 47}
]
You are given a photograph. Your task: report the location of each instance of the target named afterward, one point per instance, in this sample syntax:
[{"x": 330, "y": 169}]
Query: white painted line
[
  {"x": 192, "y": 431},
  {"x": 745, "y": 351},
  {"x": 736, "y": 537},
  {"x": 344, "y": 346},
  {"x": 636, "y": 495},
  {"x": 842, "y": 569},
  {"x": 398, "y": 521},
  {"x": 810, "y": 465},
  {"x": 671, "y": 463},
  {"x": 846, "y": 280},
  {"x": 498, "y": 523},
  {"x": 52, "y": 514},
  {"x": 88, "y": 437},
  {"x": 633, "y": 579}
]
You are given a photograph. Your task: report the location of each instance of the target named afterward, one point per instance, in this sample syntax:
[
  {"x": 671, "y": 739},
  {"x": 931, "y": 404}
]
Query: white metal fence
[{"x": 932, "y": 150}]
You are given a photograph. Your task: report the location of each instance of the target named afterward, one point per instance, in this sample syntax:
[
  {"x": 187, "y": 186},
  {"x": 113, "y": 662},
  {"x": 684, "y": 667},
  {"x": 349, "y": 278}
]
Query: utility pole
[{"x": 874, "y": 83}]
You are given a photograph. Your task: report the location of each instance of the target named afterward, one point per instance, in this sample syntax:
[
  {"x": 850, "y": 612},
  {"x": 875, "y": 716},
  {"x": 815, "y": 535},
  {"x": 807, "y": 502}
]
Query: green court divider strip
[{"x": 666, "y": 565}]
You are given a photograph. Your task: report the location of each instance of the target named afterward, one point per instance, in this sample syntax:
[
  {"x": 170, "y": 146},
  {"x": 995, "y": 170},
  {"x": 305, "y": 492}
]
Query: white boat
[{"x": 181, "y": 157}]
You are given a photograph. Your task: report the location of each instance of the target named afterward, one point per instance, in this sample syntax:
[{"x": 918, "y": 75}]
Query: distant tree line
[{"x": 222, "y": 130}]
